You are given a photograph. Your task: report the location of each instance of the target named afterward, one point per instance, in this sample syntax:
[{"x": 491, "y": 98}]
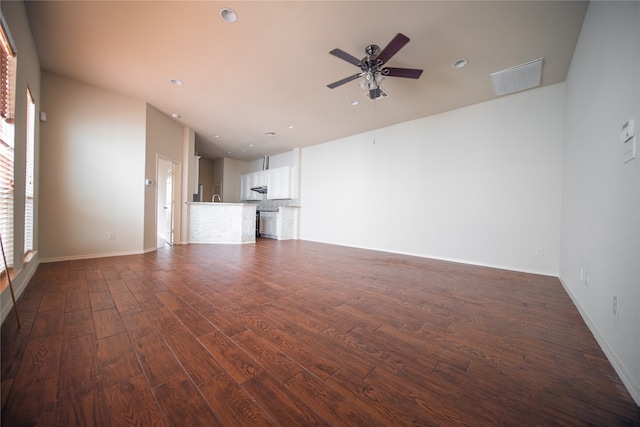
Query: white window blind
[
  {"x": 7, "y": 109},
  {"x": 29, "y": 182}
]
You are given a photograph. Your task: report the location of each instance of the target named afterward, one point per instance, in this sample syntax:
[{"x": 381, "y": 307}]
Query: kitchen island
[{"x": 222, "y": 222}]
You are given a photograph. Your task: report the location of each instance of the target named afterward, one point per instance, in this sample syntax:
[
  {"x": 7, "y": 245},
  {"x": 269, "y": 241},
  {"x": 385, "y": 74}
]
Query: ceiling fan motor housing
[{"x": 372, "y": 50}]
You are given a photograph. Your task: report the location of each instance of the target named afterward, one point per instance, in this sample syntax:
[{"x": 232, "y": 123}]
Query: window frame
[{"x": 7, "y": 145}]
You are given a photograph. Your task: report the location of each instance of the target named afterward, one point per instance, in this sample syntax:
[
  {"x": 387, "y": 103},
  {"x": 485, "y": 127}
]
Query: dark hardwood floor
[{"x": 297, "y": 333}]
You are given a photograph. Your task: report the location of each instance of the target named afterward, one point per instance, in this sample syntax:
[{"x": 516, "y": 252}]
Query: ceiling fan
[{"x": 371, "y": 66}]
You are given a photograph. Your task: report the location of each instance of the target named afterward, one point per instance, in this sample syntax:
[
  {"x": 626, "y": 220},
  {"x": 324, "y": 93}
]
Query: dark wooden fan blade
[
  {"x": 345, "y": 56},
  {"x": 343, "y": 81},
  {"x": 392, "y": 48},
  {"x": 410, "y": 73}
]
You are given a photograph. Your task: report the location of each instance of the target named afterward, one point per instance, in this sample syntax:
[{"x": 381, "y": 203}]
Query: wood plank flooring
[{"x": 297, "y": 333}]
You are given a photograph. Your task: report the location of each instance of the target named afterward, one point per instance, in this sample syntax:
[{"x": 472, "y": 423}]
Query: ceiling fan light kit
[{"x": 371, "y": 66}]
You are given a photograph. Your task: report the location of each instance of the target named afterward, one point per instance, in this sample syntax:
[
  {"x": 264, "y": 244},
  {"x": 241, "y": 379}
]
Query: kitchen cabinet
[
  {"x": 269, "y": 224},
  {"x": 280, "y": 225},
  {"x": 246, "y": 183},
  {"x": 279, "y": 183},
  {"x": 260, "y": 178},
  {"x": 251, "y": 180}
]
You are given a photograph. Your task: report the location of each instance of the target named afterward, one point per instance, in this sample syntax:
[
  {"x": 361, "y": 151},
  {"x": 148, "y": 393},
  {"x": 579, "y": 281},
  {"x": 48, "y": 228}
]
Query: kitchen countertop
[
  {"x": 277, "y": 209},
  {"x": 219, "y": 204}
]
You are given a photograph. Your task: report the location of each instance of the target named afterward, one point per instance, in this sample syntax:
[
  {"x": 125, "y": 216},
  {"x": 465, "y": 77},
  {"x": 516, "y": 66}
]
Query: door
[{"x": 166, "y": 203}]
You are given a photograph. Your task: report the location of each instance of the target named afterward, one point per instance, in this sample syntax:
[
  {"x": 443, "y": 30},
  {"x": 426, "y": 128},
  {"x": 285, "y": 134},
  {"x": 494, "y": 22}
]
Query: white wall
[
  {"x": 92, "y": 171},
  {"x": 601, "y": 194},
  {"x": 27, "y": 75},
  {"x": 479, "y": 185}
]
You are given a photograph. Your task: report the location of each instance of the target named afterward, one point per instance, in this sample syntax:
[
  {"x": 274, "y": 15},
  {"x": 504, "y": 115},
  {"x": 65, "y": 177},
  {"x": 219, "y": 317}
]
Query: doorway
[{"x": 165, "y": 210}]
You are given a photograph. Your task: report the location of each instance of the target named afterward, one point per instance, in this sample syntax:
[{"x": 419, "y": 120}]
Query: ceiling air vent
[{"x": 518, "y": 78}]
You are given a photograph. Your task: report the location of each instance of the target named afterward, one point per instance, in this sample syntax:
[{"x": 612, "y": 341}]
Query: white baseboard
[
  {"x": 632, "y": 386},
  {"x": 90, "y": 256},
  {"x": 438, "y": 258}
]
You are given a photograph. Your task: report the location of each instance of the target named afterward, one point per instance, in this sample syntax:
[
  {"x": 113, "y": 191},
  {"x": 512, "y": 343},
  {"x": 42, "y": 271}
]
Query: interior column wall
[{"x": 600, "y": 246}]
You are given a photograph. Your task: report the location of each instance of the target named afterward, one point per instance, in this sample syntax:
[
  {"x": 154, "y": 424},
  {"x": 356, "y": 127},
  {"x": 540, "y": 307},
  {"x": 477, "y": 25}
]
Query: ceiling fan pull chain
[{"x": 375, "y": 120}]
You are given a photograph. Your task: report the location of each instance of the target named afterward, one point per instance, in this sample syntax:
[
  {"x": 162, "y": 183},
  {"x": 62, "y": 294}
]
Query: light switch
[
  {"x": 629, "y": 149},
  {"x": 628, "y": 130},
  {"x": 628, "y": 138}
]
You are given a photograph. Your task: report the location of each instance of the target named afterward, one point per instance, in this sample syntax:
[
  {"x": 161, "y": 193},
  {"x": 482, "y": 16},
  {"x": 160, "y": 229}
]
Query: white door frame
[{"x": 176, "y": 187}]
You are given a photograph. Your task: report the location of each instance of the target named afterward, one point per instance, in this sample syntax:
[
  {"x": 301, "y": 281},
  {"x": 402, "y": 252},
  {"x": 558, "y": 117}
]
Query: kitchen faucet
[{"x": 213, "y": 199}]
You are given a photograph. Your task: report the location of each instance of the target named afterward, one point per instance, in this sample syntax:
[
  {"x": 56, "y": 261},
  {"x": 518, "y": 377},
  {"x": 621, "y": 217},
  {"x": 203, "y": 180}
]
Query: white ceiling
[{"x": 270, "y": 68}]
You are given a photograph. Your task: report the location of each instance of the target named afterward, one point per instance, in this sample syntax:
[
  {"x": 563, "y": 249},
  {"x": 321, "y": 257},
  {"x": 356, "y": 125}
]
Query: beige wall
[
  {"x": 218, "y": 178},
  {"x": 205, "y": 172},
  {"x": 231, "y": 181},
  {"x": 92, "y": 171}
]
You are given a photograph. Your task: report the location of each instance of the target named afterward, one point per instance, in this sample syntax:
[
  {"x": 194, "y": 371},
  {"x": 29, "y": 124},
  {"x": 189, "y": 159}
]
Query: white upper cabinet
[
  {"x": 279, "y": 183},
  {"x": 246, "y": 183},
  {"x": 277, "y": 180},
  {"x": 260, "y": 178}
]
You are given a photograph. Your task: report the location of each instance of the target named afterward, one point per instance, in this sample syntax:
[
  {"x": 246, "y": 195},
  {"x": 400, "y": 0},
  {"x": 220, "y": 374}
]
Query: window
[
  {"x": 29, "y": 174},
  {"x": 7, "y": 110}
]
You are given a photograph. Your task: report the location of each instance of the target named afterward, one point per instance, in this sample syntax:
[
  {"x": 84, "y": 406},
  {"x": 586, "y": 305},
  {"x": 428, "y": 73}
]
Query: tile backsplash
[{"x": 272, "y": 205}]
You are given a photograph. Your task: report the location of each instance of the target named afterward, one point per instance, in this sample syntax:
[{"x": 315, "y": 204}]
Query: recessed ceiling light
[
  {"x": 459, "y": 63},
  {"x": 270, "y": 133},
  {"x": 228, "y": 15},
  {"x": 250, "y": 145},
  {"x": 289, "y": 126},
  {"x": 176, "y": 115},
  {"x": 215, "y": 135},
  {"x": 353, "y": 102},
  {"x": 176, "y": 82}
]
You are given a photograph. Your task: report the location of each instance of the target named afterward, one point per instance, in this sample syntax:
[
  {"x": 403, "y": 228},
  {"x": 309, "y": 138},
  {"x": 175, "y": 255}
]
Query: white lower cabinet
[
  {"x": 281, "y": 225},
  {"x": 269, "y": 224}
]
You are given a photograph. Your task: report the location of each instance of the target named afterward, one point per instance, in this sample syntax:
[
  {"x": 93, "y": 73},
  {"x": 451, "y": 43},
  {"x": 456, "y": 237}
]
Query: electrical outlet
[
  {"x": 112, "y": 235},
  {"x": 615, "y": 306},
  {"x": 540, "y": 252}
]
